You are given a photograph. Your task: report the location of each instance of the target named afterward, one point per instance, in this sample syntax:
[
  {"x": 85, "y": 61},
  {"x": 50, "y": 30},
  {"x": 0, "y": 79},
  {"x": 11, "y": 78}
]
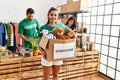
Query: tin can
[{"x": 90, "y": 46}]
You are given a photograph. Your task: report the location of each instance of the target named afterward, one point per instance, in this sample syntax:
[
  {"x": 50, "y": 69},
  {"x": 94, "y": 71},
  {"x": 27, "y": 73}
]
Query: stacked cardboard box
[
  {"x": 69, "y": 1},
  {"x": 63, "y": 8},
  {"x": 74, "y": 5},
  {"x": 77, "y": 5}
]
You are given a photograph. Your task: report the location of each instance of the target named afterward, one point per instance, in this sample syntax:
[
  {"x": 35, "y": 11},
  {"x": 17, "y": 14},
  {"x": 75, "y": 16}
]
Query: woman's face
[
  {"x": 71, "y": 22},
  {"x": 53, "y": 16}
]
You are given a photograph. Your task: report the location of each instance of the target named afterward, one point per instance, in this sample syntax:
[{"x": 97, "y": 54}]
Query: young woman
[
  {"x": 53, "y": 66},
  {"x": 71, "y": 23}
]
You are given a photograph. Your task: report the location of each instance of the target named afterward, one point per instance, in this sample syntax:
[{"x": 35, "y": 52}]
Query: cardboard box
[
  {"x": 71, "y": 1},
  {"x": 63, "y": 8},
  {"x": 56, "y": 49},
  {"x": 83, "y": 5},
  {"x": 70, "y": 7},
  {"x": 78, "y": 5}
]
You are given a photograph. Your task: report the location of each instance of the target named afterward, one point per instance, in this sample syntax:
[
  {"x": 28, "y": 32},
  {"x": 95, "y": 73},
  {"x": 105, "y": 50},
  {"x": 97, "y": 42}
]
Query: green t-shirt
[
  {"x": 28, "y": 28},
  {"x": 51, "y": 28},
  {"x": 46, "y": 27}
]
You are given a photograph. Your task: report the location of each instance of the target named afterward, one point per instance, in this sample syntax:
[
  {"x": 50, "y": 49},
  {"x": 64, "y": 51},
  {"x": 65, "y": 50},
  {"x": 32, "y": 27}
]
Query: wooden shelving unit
[{"x": 30, "y": 68}]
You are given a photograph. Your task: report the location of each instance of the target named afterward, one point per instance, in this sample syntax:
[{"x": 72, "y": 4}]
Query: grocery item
[{"x": 35, "y": 51}]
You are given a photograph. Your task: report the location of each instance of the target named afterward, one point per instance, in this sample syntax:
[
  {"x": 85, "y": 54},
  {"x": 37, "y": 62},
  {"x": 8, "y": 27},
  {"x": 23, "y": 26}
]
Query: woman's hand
[{"x": 75, "y": 35}]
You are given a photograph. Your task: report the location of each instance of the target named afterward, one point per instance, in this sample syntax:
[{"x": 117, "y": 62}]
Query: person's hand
[
  {"x": 75, "y": 35},
  {"x": 30, "y": 39},
  {"x": 41, "y": 49}
]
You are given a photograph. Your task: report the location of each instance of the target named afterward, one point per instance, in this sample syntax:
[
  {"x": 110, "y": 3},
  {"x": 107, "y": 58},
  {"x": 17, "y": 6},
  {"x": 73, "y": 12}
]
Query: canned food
[{"x": 90, "y": 46}]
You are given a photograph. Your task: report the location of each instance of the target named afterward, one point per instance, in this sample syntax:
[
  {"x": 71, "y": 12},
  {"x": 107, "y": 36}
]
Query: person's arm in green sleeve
[
  {"x": 40, "y": 34},
  {"x": 20, "y": 31},
  {"x": 38, "y": 25}
]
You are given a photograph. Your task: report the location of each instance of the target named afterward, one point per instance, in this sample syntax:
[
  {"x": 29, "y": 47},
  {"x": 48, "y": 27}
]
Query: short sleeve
[
  {"x": 38, "y": 25},
  {"x": 20, "y": 28},
  {"x": 40, "y": 34}
]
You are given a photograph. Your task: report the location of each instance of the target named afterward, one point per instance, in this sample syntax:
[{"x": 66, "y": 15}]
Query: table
[{"x": 29, "y": 68}]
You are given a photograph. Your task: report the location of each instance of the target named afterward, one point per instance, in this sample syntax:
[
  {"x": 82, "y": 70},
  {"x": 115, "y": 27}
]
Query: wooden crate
[
  {"x": 31, "y": 74},
  {"x": 91, "y": 56},
  {"x": 85, "y": 63},
  {"x": 31, "y": 68},
  {"x": 10, "y": 69}
]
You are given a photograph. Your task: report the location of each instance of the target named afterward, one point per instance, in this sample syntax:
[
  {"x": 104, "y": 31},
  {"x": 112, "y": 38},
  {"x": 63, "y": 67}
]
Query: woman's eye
[{"x": 51, "y": 14}]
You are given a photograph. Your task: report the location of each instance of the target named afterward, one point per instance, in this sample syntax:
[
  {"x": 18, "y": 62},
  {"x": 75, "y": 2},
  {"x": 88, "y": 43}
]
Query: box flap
[{"x": 43, "y": 42}]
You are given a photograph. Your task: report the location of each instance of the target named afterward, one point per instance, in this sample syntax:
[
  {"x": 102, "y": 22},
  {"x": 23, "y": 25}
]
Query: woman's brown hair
[{"x": 74, "y": 24}]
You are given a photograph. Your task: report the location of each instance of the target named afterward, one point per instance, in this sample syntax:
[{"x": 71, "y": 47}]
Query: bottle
[
  {"x": 84, "y": 30},
  {"x": 84, "y": 47},
  {"x": 21, "y": 50},
  {"x": 35, "y": 51}
]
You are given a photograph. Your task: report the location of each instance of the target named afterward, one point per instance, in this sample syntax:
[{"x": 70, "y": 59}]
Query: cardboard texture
[
  {"x": 44, "y": 42},
  {"x": 49, "y": 49},
  {"x": 74, "y": 5},
  {"x": 77, "y": 5},
  {"x": 63, "y": 8},
  {"x": 69, "y": 1},
  {"x": 70, "y": 7}
]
